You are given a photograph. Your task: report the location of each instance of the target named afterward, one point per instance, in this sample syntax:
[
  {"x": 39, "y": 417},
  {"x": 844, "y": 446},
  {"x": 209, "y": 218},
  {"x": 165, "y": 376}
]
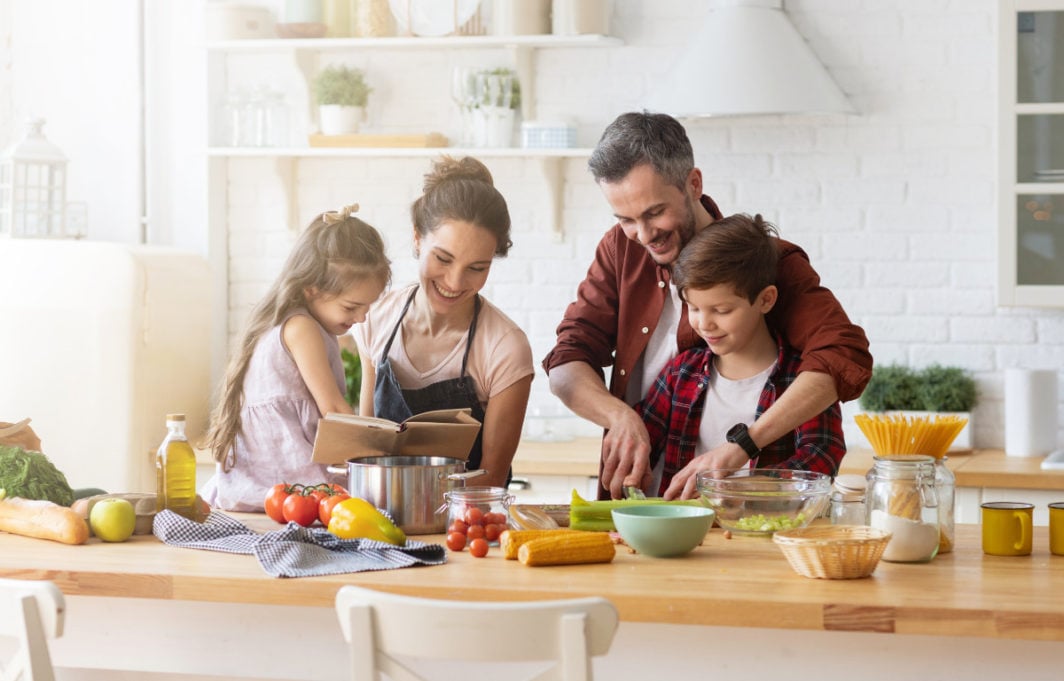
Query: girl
[
  {"x": 437, "y": 344},
  {"x": 287, "y": 373}
]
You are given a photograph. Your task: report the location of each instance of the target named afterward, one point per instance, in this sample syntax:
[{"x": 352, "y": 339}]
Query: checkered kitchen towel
[{"x": 293, "y": 551}]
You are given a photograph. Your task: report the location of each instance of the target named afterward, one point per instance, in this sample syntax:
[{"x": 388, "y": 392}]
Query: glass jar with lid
[
  {"x": 902, "y": 498},
  {"x": 946, "y": 486},
  {"x": 848, "y": 500},
  {"x": 478, "y": 512}
]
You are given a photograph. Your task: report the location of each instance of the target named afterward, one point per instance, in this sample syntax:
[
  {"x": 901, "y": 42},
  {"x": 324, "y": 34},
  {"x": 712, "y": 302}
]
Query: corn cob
[
  {"x": 511, "y": 540},
  {"x": 571, "y": 548}
]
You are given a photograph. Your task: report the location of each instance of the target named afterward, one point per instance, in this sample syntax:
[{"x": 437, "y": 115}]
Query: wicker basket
[{"x": 833, "y": 551}]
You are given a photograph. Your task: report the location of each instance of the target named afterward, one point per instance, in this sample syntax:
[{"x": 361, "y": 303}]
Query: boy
[{"x": 708, "y": 395}]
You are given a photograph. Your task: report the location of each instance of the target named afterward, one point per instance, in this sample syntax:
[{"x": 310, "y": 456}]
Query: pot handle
[
  {"x": 467, "y": 475},
  {"x": 337, "y": 469}
]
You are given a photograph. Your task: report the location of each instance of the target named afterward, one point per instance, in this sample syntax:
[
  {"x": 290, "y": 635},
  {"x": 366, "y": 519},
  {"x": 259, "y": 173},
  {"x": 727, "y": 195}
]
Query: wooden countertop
[
  {"x": 977, "y": 468},
  {"x": 980, "y": 468},
  {"x": 726, "y": 582}
]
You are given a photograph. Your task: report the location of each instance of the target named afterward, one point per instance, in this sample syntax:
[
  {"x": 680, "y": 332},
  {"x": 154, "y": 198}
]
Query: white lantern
[{"x": 33, "y": 187}]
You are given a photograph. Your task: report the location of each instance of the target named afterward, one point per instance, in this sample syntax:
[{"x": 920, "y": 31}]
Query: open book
[{"x": 442, "y": 432}]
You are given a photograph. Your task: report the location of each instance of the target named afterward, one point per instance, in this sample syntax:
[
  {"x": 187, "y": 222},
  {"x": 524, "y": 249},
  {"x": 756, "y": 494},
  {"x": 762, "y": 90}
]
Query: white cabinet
[{"x": 1031, "y": 148}]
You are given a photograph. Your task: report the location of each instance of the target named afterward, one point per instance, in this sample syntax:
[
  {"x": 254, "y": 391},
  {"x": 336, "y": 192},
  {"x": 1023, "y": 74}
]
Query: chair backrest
[
  {"x": 379, "y": 626},
  {"x": 31, "y": 612}
]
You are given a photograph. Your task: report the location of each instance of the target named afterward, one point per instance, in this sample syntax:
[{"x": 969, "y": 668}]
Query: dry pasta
[{"x": 891, "y": 434}]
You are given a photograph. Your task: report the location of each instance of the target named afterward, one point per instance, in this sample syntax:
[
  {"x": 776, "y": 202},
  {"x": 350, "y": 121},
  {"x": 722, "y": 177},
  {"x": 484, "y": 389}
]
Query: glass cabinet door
[{"x": 1031, "y": 139}]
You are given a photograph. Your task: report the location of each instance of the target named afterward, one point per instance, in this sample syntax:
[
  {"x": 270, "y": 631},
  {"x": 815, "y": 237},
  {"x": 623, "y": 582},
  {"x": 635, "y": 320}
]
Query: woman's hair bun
[{"x": 449, "y": 169}]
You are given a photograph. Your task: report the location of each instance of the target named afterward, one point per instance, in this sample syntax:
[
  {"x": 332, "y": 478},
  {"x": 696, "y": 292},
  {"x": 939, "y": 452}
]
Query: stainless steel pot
[{"x": 410, "y": 488}]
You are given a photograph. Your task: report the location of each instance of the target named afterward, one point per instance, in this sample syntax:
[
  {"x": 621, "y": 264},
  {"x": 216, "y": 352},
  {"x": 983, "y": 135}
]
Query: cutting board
[{"x": 432, "y": 139}]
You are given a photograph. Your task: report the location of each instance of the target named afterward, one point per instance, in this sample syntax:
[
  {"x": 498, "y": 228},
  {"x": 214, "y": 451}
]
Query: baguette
[{"x": 42, "y": 520}]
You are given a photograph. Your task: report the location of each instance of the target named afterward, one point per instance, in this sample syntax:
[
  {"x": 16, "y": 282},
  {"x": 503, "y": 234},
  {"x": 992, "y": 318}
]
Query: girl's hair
[
  {"x": 636, "y": 138},
  {"x": 462, "y": 190},
  {"x": 738, "y": 250},
  {"x": 335, "y": 251}
]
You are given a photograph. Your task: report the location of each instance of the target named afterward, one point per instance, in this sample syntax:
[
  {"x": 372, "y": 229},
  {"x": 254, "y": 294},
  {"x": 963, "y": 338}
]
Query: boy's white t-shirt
[{"x": 729, "y": 402}]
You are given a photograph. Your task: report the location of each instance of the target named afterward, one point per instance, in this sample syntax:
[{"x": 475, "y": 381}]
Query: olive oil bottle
[{"x": 175, "y": 470}]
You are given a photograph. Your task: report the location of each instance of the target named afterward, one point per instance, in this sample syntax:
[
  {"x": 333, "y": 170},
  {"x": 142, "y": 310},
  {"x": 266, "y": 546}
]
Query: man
[{"x": 628, "y": 314}]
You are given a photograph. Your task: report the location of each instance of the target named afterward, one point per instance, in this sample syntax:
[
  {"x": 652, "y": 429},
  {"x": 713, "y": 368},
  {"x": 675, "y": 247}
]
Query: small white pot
[{"x": 334, "y": 119}]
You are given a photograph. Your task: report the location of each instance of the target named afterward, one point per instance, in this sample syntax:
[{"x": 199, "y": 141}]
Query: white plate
[{"x": 433, "y": 17}]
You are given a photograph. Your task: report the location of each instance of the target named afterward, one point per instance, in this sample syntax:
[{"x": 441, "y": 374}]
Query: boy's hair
[
  {"x": 462, "y": 189},
  {"x": 636, "y": 138},
  {"x": 334, "y": 252},
  {"x": 738, "y": 250}
]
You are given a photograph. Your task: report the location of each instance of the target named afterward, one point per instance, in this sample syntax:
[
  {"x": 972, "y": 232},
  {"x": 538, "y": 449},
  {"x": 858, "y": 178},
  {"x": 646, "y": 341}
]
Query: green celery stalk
[{"x": 596, "y": 516}]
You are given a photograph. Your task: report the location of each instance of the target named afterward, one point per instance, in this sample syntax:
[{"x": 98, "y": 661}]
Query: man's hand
[
  {"x": 727, "y": 458},
  {"x": 625, "y": 454}
]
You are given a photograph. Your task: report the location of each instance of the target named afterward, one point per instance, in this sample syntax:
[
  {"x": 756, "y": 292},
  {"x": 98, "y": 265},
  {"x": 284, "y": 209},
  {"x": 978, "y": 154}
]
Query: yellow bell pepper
[{"x": 356, "y": 518}]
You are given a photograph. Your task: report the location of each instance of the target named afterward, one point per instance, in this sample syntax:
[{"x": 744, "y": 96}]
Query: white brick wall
[{"x": 895, "y": 205}]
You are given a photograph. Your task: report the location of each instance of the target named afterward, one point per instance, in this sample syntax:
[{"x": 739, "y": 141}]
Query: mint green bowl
[{"x": 663, "y": 530}]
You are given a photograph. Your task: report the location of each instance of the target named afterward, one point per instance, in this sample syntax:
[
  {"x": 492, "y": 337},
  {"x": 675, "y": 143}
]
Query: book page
[{"x": 369, "y": 421}]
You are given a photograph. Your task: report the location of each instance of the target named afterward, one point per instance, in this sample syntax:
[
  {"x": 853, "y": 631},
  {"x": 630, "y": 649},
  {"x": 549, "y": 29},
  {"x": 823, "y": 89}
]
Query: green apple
[{"x": 112, "y": 519}]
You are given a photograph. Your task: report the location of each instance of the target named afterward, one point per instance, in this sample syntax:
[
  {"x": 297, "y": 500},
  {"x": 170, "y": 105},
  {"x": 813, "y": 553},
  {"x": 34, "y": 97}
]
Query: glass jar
[
  {"x": 848, "y": 500},
  {"x": 902, "y": 499},
  {"x": 478, "y": 512},
  {"x": 946, "y": 486}
]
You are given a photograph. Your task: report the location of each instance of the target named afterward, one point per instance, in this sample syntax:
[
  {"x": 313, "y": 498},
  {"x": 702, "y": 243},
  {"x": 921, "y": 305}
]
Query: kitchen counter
[
  {"x": 975, "y": 468},
  {"x": 741, "y": 582}
]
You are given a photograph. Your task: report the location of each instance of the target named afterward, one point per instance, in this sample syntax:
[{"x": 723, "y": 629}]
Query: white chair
[
  {"x": 30, "y": 612},
  {"x": 379, "y": 626}
]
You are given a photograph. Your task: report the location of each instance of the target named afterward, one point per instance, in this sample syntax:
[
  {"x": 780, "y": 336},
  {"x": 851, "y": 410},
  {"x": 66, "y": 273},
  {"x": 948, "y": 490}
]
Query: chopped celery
[{"x": 596, "y": 516}]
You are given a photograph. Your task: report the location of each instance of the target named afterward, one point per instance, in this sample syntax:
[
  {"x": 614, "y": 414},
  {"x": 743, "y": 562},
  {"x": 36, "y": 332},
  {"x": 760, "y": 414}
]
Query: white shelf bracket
[
  {"x": 287, "y": 170},
  {"x": 551, "y": 169},
  {"x": 522, "y": 56}
]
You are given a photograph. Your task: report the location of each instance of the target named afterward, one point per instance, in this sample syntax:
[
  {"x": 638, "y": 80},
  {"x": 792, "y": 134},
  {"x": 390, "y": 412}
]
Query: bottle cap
[{"x": 175, "y": 417}]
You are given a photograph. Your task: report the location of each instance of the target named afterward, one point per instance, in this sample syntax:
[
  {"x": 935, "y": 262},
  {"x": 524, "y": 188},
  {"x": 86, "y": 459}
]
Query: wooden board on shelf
[{"x": 432, "y": 139}]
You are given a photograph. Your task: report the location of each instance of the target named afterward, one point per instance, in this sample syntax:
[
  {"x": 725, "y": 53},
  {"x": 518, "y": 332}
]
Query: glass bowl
[{"x": 760, "y": 501}]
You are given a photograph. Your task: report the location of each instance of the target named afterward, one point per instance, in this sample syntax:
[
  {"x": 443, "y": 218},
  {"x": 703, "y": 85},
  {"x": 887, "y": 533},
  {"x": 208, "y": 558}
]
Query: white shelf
[
  {"x": 412, "y": 152},
  {"x": 413, "y": 43}
]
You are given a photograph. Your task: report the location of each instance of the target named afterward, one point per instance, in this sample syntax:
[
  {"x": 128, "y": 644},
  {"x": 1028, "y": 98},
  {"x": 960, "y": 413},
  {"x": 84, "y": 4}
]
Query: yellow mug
[
  {"x": 1007, "y": 528},
  {"x": 1056, "y": 528}
]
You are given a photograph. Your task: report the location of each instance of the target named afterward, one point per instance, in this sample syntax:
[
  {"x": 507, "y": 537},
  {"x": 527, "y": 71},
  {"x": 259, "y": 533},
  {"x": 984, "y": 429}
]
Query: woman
[{"x": 437, "y": 344}]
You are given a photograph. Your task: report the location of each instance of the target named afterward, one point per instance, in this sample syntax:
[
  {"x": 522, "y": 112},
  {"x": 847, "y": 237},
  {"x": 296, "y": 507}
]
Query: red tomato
[
  {"x": 495, "y": 518},
  {"x": 318, "y": 493},
  {"x": 275, "y": 501},
  {"x": 325, "y": 506},
  {"x": 456, "y": 541},
  {"x": 492, "y": 532},
  {"x": 474, "y": 516},
  {"x": 338, "y": 489},
  {"x": 475, "y": 532},
  {"x": 301, "y": 509},
  {"x": 458, "y": 526},
  {"x": 478, "y": 548}
]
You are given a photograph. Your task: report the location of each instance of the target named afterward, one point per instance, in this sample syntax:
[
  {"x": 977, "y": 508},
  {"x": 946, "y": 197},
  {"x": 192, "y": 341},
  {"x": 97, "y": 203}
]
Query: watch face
[{"x": 736, "y": 431}]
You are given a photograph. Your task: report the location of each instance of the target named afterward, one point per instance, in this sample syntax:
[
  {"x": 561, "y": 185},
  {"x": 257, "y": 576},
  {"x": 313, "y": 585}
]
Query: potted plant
[
  {"x": 933, "y": 390},
  {"x": 497, "y": 98},
  {"x": 341, "y": 93}
]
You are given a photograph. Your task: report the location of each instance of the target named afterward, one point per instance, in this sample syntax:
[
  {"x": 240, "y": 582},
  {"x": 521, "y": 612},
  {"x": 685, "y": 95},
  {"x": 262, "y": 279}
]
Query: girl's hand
[{"x": 728, "y": 457}]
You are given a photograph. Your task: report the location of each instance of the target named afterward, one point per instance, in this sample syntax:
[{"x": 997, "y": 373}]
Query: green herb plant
[
  {"x": 341, "y": 85},
  {"x": 934, "y": 388},
  {"x": 31, "y": 475},
  {"x": 352, "y": 375}
]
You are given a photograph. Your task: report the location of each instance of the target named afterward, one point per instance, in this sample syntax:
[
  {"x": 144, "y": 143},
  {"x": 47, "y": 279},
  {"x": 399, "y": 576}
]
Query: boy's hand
[{"x": 726, "y": 459}]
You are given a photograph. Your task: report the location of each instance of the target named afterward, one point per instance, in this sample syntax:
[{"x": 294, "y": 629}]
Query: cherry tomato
[
  {"x": 456, "y": 541},
  {"x": 458, "y": 526},
  {"x": 478, "y": 548},
  {"x": 475, "y": 532},
  {"x": 275, "y": 501},
  {"x": 325, "y": 506},
  {"x": 301, "y": 509},
  {"x": 492, "y": 532},
  {"x": 474, "y": 516}
]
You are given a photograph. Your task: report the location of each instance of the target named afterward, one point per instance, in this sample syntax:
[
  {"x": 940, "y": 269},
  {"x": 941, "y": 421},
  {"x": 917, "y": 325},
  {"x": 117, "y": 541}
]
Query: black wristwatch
[{"x": 741, "y": 436}]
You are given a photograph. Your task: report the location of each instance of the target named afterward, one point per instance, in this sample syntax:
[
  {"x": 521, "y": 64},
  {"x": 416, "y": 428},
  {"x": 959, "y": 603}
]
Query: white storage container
[{"x": 548, "y": 135}]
